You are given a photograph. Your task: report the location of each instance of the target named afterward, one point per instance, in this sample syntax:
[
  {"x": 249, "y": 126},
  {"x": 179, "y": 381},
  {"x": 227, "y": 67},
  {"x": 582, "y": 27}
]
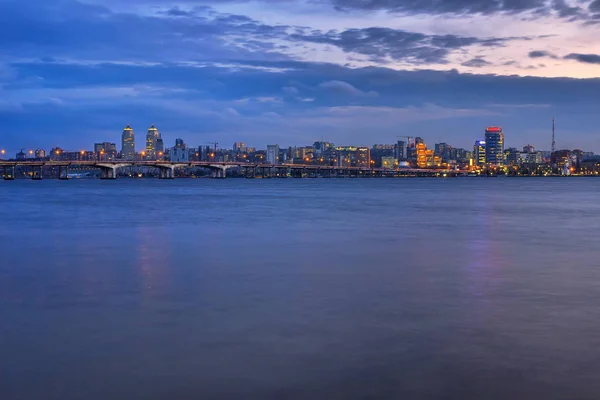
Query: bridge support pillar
[
  {"x": 37, "y": 173},
  {"x": 109, "y": 173},
  {"x": 9, "y": 173},
  {"x": 167, "y": 173},
  {"x": 63, "y": 172}
]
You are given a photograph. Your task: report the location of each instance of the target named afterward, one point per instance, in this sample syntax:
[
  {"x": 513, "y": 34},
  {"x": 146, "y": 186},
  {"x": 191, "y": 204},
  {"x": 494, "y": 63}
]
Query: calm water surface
[{"x": 300, "y": 289}]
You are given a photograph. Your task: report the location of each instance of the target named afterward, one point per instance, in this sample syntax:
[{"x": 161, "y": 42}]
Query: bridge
[{"x": 219, "y": 169}]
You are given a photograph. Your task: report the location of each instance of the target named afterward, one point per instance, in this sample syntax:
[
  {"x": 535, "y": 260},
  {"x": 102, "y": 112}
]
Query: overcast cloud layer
[{"x": 280, "y": 71}]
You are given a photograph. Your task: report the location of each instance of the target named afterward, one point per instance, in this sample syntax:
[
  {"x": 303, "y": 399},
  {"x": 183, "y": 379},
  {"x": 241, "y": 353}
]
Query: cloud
[
  {"x": 72, "y": 30},
  {"x": 541, "y": 53},
  {"x": 411, "y": 47},
  {"x": 290, "y": 90},
  {"x": 345, "y": 88},
  {"x": 535, "y": 8},
  {"x": 584, "y": 58},
  {"x": 476, "y": 63}
]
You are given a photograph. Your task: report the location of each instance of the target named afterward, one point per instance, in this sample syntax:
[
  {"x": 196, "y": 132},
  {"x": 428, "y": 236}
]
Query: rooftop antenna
[{"x": 553, "y": 142}]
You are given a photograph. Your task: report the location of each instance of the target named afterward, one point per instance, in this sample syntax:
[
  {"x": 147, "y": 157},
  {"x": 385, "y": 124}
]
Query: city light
[{"x": 486, "y": 157}]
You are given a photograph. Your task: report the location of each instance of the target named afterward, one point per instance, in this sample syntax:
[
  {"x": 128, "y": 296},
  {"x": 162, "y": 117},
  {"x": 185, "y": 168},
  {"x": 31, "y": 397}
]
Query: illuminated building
[
  {"x": 180, "y": 152},
  {"x": 530, "y": 158},
  {"x": 479, "y": 152},
  {"x": 511, "y": 155},
  {"x": 40, "y": 153},
  {"x": 388, "y": 162},
  {"x": 128, "y": 143},
  {"x": 273, "y": 154},
  {"x": 560, "y": 158},
  {"x": 401, "y": 151},
  {"x": 105, "y": 151},
  {"x": 494, "y": 146},
  {"x": 152, "y": 136},
  {"x": 239, "y": 146},
  {"x": 425, "y": 158},
  {"x": 160, "y": 147},
  {"x": 363, "y": 157},
  {"x": 529, "y": 149}
]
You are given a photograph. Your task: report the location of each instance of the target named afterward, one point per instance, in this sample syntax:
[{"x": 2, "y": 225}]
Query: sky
[{"x": 293, "y": 72}]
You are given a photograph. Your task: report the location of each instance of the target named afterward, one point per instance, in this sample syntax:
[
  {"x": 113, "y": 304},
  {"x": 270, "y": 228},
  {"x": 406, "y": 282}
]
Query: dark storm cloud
[
  {"x": 541, "y": 54},
  {"x": 584, "y": 58},
  {"x": 381, "y": 43}
]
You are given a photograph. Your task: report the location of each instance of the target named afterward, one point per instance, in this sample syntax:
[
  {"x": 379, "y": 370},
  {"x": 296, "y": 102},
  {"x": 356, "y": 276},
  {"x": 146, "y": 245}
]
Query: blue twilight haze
[{"x": 291, "y": 72}]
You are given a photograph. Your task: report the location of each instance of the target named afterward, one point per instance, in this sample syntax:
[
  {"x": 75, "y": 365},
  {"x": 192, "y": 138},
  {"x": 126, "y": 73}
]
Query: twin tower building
[{"x": 154, "y": 149}]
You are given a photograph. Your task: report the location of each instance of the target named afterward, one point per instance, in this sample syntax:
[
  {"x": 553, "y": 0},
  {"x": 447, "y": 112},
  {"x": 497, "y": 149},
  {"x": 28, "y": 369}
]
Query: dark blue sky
[{"x": 352, "y": 72}]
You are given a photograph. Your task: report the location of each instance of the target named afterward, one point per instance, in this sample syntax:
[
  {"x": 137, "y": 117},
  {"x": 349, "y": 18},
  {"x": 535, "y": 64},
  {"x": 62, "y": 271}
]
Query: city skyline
[
  {"x": 146, "y": 142},
  {"x": 345, "y": 70}
]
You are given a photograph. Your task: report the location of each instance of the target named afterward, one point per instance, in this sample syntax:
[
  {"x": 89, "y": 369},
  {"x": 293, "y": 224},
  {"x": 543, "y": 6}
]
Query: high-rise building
[
  {"x": 239, "y": 146},
  {"x": 511, "y": 156},
  {"x": 425, "y": 158},
  {"x": 494, "y": 146},
  {"x": 180, "y": 152},
  {"x": 152, "y": 136},
  {"x": 529, "y": 149},
  {"x": 401, "y": 151},
  {"x": 273, "y": 154},
  {"x": 363, "y": 157},
  {"x": 40, "y": 153},
  {"x": 160, "y": 147},
  {"x": 479, "y": 152},
  {"x": 105, "y": 151},
  {"x": 128, "y": 144}
]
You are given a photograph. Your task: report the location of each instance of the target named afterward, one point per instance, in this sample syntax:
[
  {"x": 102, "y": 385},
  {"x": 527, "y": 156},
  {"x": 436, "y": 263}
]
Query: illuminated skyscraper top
[
  {"x": 128, "y": 143},
  {"x": 151, "y": 142}
]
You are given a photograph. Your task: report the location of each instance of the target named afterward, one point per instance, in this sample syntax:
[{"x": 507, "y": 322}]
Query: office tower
[
  {"x": 401, "y": 151},
  {"x": 152, "y": 136},
  {"x": 128, "y": 143},
  {"x": 425, "y": 158},
  {"x": 180, "y": 152},
  {"x": 239, "y": 147},
  {"x": 479, "y": 152},
  {"x": 494, "y": 146},
  {"x": 160, "y": 147},
  {"x": 105, "y": 151},
  {"x": 529, "y": 149},
  {"x": 273, "y": 154},
  {"x": 363, "y": 157}
]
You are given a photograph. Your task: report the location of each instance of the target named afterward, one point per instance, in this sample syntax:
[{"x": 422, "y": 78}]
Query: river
[{"x": 467, "y": 288}]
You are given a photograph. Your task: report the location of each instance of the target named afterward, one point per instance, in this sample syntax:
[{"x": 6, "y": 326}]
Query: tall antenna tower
[{"x": 553, "y": 141}]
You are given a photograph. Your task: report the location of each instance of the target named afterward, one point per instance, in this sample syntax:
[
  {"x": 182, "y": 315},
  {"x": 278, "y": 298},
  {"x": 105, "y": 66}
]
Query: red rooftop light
[{"x": 494, "y": 129}]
